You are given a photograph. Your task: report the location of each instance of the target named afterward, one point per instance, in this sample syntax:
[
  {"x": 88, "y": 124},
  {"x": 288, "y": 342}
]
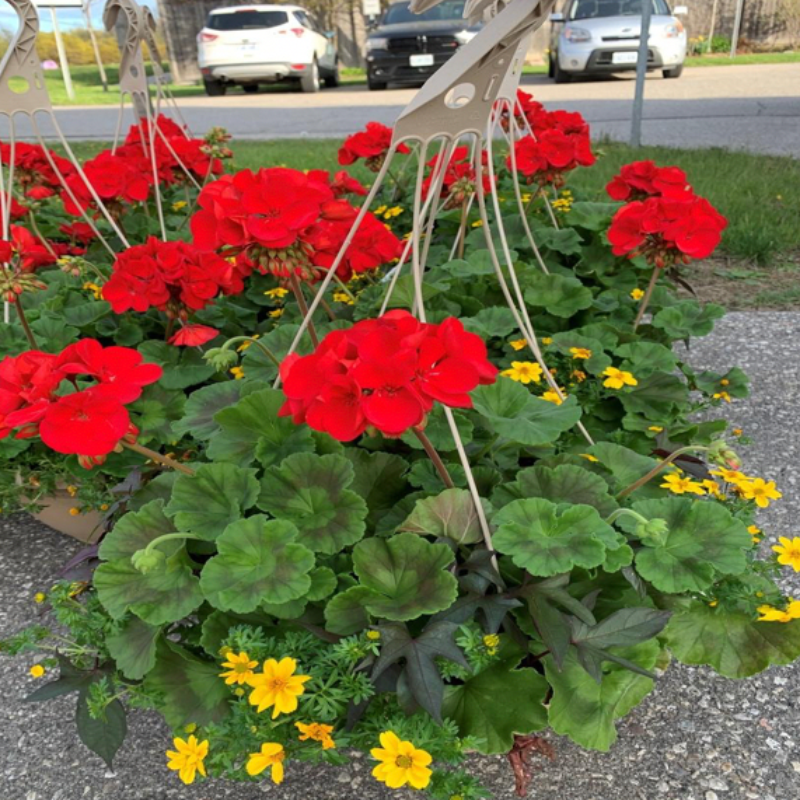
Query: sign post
[
  {"x": 641, "y": 74},
  {"x": 62, "y": 52}
]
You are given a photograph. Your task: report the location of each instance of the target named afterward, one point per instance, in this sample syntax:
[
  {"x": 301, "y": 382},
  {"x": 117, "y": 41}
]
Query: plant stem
[
  {"x": 435, "y": 458},
  {"x": 158, "y": 458},
  {"x": 264, "y": 349},
  {"x": 24, "y": 322},
  {"x": 462, "y": 228},
  {"x": 646, "y": 299},
  {"x": 170, "y": 326},
  {"x": 301, "y": 301},
  {"x": 35, "y": 227},
  {"x": 169, "y": 537},
  {"x": 658, "y": 468},
  {"x": 486, "y": 448}
]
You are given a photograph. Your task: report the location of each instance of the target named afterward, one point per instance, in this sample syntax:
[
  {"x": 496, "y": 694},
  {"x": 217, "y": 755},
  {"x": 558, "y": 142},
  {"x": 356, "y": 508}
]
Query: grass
[{"x": 723, "y": 60}]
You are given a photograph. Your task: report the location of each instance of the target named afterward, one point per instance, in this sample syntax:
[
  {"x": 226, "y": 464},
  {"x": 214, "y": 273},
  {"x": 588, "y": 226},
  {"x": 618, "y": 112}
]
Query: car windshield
[
  {"x": 400, "y": 13},
  {"x": 246, "y": 20},
  {"x": 592, "y": 9}
]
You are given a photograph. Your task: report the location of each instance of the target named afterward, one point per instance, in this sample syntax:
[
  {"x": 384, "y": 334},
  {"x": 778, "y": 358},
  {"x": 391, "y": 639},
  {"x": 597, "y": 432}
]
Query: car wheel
[
  {"x": 215, "y": 88},
  {"x": 559, "y": 76},
  {"x": 375, "y": 85},
  {"x": 310, "y": 83},
  {"x": 675, "y": 72},
  {"x": 250, "y": 88},
  {"x": 551, "y": 69},
  {"x": 332, "y": 79}
]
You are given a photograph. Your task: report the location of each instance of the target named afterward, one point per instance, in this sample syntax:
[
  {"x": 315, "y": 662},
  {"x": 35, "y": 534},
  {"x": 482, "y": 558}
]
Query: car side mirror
[
  {"x": 680, "y": 11},
  {"x": 556, "y": 18}
]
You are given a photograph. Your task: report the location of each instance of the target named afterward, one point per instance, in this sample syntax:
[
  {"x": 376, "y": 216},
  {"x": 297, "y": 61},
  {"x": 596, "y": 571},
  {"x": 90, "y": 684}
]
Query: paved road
[
  {"x": 754, "y": 108},
  {"x": 696, "y": 737}
]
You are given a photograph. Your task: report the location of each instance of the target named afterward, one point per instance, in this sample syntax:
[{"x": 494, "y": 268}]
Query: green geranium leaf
[
  {"x": 492, "y": 321},
  {"x": 585, "y": 710},
  {"x": 379, "y": 478},
  {"x": 133, "y": 647},
  {"x": 191, "y": 688},
  {"x": 655, "y": 396},
  {"x": 626, "y": 467},
  {"x": 198, "y": 419},
  {"x": 731, "y": 642},
  {"x": 561, "y": 296},
  {"x": 592, "y": 216},
  {"x": 323, "y": 583},
  {"x": 84, "y": 312},
  {"x": 546, "y": 539},
  {"x": 408, "y": 575},
  {"x": 183, "y": 366},
  {"x": 257, "y": 365},
  {"x": 566, "y": 241},
  {"x": 565, "y": 483},
  {"x": 259, "y": 561},
  {"x": 437, "y": 429},
  {"x": 704, "y": 540},
  {"x": 136, "y": 529},
  {"x": 482, "y": 706},
  {"x": 736, "y": 383},
  {"x": 217, "y": 625},
  {"x": 208, "y": 501},
  {"x": 513, "y": 412},
  {"x": 688, "y": 318},
  {"x": 645, "y": 358},
  {"x": 311, "y": 492},
  {"x": 451, "y": 515},
  {"x": 346, "y": 613}
]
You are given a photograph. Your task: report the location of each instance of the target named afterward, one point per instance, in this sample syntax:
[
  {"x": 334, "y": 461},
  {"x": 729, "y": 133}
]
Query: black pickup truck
[{"x": 407, "y": 48}]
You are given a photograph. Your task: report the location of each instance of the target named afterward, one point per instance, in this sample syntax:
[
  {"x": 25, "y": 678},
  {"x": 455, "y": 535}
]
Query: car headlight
[
  {"x": 377, "y": 43},
  {"x": 574, "y": 35},
  {"x": 465, "y": 36},
  {"x": 674, "y": 30}
]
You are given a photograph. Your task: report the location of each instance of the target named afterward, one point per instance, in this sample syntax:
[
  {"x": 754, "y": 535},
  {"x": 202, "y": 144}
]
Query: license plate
[
  {"x": 624, "y": 58},
  {"x": 248, "y": 49},
  {"x": 421, "y": 60}
]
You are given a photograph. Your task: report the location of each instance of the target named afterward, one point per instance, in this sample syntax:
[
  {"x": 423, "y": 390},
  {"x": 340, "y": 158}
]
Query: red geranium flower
[
  {"x": 642, "y": 179},
  {"x": 33, "y": 171},
  {"x": 555, "y": 151},
  {"x": 459, "y": 178},
  {"x": 194, "y": 335},
  {"x": 29, "y": 250},
  {"x": 372, "y": 144}
]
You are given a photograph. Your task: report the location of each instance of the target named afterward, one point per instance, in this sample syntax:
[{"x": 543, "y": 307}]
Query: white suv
[{"x": 248, "y": 45}]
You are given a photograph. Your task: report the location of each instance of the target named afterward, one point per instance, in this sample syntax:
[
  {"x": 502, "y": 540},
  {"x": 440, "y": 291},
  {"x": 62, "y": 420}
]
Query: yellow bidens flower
[
  {"x": 179, "y": 204},
  {"x": 72, "y": 490},
  {"x": 277, "y": 294},
  {"x": 637, "y": 294},
  {"x": 74, "y": 511},
  {"x": 678, "y": 485},
  {"x": 240, "y": 668},
  {"x": 343, "y": 297},
  {"x": 722, "y": 396},
  {"x": 96, "y": 290},
  {"x": 190, "y": 728},
  {"x": 580, "y": 352},
  {"x": 737, "y": 431},
  {"x": 373, "y": 635},
  {"x": 729, "y": 475},
  {"x": 39, "y": 597},
  {"x": 272, "y": 755},
  {"x": 277, "y": 687},
  {"x": 524, "y": 372},
  {"x": 588, "y": 456},
  {"x": 392, "y": 212},
  {"x": 37, "y": 670},
  {"x": 491, "y": 640},
  {"x": 655, "y": 428},
  {"x": 244, "y": 345},
  {"x": 617, "y": 378},
  {"x": 755, "y": 532},
  {"x": 547, "y": 340},
  {"x": 478, "y": 223},
  {"x": 772, "y": 614},
  {"x": 713, "y": 488},
  {"x": 551, "y": 395},
  {"x": 519, "y": 344},
  {"x": 316, "y": 732},
  {"x": 401, "y": 763},
  {"x": 760, "y": 491},
  {"x": 187, "y": 758},
  {"x": 278, "y": 312},
  {"x": 788, "y": 552},
  {"x": 237, "y": 372}
]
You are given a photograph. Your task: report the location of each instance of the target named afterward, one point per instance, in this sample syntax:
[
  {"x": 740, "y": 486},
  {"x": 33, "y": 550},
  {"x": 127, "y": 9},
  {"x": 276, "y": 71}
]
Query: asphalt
[
  {"x": 742, "y": 107},
  {"x": 696, "y": 737}
]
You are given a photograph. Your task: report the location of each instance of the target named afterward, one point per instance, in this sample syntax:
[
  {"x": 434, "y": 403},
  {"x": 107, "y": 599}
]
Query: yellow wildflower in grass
[
  {"x": 317, "y": 733},
  {"x": 39, "y": 597},
  {"x": 655, "y": 428},
  {"x": 491, "y": 640},
  {"x": 759, "y": 491},
  {"x": 721, "y": 396},
  {"x": 278, "y": 312},
  {"x": 342, "y": 297},
  {"x": 519, "y": 344},
  {"x": 37, "y": 670},
  {"x": 179, "y": 204},
  {"x": 580, "y": 352},
  {"x": 679, "y": 485},
  {"x": 237, "y": 372},
  {"x": 617, "y": 378},
  {"x": 788, "y": 552},
  {"x": 272, "y": 755},
  {"x": 96, "y": 290},
  {"x": 552, "y": 397},
  {"x": 74, "y": 511},
  {"x": 589, "y": 457},
  {"x": 547, "y": 340},
  {"x": 277, "y": 294},
  {"x": 239, "y": 668},
  {"x": 187, "y": 758},
  {"x": 277, "y": 687},
  {"x": 373, "y": 635},
  {"x": 637, "y": 294},
  {"x": 755, "y": 532},
  {"x": 401, "y": 763},
  {"x": 524, "y": 372}
]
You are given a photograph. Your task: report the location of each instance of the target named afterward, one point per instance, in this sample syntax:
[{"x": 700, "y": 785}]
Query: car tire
[
  {"x": 309, "y": 84},
  {"x": 375, "y": 85},
  {"x": 551, "y": 69},
  {"x": 559, "y": 76},
  {"x": 333, "y": 79},
  {"x": 250, "y": 88},
  {"x": 215, "y": 88},
  {"x": 675, "y": 72}
]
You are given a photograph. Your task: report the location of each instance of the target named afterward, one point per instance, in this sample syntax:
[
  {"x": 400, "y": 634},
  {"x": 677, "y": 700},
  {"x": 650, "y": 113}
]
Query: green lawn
[{"x": 723, "y": 60}]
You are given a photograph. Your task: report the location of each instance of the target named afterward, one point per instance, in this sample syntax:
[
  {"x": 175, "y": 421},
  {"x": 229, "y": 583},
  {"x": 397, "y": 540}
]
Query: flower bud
[
  {"x": 652, "y": 528},
  {"x": 220, "y": 358},
  {"x": 147, "y": 560},
  {"x": 720, "y": 453}
]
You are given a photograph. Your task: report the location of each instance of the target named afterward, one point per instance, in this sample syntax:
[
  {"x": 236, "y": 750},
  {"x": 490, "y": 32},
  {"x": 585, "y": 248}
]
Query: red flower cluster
[
  {"x": 667, "y": 231},
  {"x": 554, "y": 152},
  {"x": 27, "y": 251},
  {"x": 87, "y": 422},
  {"x": 32, "y": 169},
  {"x": 643, "y": 179},
  {"x": 172, "y": 276},
  {"x": 282, "y": 221},
  {"x": 371, "y": 144},
  {"x": 385, "y": 374},
  {"x": 460, "y": 178}
]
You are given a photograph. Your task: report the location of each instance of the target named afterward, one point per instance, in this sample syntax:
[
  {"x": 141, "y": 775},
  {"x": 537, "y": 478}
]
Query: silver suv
[{"x": 595, "y": 37}]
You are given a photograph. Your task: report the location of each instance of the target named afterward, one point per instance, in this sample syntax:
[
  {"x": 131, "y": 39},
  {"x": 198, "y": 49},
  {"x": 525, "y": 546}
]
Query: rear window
[
  {"x": 592, "y": 9},
  {"x": 246, "y": 20},
  {"x": 401, "y": 13}
]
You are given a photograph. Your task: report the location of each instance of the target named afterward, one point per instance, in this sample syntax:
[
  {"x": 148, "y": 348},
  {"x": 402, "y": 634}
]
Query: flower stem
[
  {"x": 462, "y": 228},
  {"x": 435, "y": 458},
  {"x": 158, "y": 458},
  {"x": 24, "y": 322},
  {"x": 169, "y": 537},
  {"x": 646, "y": 299},
  {"x": 264, "y": 349},
  {"x": 301, "y": 301},
  {"x": 658, "y": 468},
  {"x": 170, "y": 326},
  {"x": 625, "y": 512}
]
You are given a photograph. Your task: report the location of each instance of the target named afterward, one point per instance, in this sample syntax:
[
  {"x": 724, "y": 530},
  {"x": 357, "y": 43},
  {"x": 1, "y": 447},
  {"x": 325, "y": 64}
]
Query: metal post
[
  {"x": 87, "y": 12},
  {"x": 712, "y": 26},
  {"x": 62, "y": 55},
  {"x": 641, "y": 73},
  {"x": 737, "y": 27}
]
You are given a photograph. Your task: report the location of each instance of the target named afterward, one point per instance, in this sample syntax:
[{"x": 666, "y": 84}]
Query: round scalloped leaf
[
  {"x": 259, "y": 561},
  {"x": 379, "y": 478},
  {"x": 703, "y": 541},
  {"x": 496, "y": 704},
  {"x": 560, "y": 295},
  {"x": 731, "y": 642},
  {"x": 688, "y": 318},
  {"x": 346, "y": 612},
  {"x": 450, "y": 514},
  {"x": 202, "y": 405},
  {"x": 133, "y": 647},
  {"x": 311, "y": 492},
  {"x": 208, "y": 501},
  {"x": 136, "y": 529},
  {"x": 407, "y": 574},
  {"x": 546, "y": 539}
]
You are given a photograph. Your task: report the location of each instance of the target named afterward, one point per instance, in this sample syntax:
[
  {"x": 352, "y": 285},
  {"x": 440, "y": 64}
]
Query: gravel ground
[{"x": 696, "y": 737}]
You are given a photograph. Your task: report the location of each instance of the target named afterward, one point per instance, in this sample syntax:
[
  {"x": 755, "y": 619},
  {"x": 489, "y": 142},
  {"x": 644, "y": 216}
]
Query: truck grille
[{"x": 408, "y": 45}]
